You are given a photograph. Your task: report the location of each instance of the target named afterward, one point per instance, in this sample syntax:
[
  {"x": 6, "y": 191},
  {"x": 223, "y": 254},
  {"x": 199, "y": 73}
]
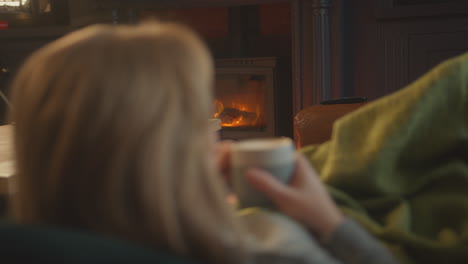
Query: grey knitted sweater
[{"x": 276, "y": 239}]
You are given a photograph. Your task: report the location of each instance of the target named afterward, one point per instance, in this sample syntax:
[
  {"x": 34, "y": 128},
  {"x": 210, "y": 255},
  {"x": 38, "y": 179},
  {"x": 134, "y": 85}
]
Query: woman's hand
[{"x": 305, "y": 198}]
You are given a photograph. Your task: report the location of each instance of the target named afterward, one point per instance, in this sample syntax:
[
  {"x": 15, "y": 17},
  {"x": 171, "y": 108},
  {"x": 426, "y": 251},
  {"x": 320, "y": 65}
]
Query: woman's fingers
[
  {"x": 267, "y": 184},
  {"x": 304, "y": 171},
  {"x": 304, "y": 198}
]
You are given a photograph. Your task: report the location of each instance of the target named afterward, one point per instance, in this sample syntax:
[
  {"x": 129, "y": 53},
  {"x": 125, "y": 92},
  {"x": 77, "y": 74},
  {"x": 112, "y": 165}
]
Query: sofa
[
  {"x": 314, "y": 124},
  {"x": 44, "y": 244}
]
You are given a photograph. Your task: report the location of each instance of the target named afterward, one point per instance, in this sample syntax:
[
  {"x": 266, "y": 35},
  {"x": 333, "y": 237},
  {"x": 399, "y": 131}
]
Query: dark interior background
[{"x": 377, "y": 46}]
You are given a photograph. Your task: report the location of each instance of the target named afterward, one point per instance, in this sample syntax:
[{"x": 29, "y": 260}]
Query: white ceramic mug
[{"x": 275, "y": 155}]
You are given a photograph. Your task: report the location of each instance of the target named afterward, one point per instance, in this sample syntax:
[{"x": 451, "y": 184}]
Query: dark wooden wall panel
[
  {"x": 428, "y": 50},
  {"x": 209, "y": 22},
  {"x": 275, "y": 19},
  {"x": 391, "y": 51}
]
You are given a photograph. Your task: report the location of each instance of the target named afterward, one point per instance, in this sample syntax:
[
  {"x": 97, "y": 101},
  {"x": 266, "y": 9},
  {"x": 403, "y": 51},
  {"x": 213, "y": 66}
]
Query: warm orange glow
[
  {"x": 237, "y": 114},
  {"x": 219, "y": 108},
  {"x": 240, "y": 101}
]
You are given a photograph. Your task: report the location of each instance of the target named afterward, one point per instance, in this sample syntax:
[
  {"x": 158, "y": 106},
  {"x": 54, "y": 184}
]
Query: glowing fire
[
  {"x": 237, "y": 114},
  {"x": 219, "y": 108}
]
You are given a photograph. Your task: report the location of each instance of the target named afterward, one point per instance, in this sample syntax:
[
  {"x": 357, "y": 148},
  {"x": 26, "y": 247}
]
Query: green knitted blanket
[{"x": 399, "y": 166}]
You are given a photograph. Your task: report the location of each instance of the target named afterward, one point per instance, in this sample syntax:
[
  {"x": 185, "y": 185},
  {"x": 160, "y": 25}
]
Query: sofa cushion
[{"x": 37, "y": 244}]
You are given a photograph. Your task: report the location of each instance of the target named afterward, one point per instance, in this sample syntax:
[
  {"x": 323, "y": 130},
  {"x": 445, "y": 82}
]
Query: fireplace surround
[{"x": 245, "y": 92}]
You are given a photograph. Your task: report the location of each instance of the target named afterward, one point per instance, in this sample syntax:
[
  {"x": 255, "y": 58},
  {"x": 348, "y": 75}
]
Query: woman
[{"x": 112, "y": 136}]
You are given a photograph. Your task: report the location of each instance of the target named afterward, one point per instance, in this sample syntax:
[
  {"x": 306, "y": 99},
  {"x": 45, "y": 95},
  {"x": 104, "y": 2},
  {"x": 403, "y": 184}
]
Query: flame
[
  {"x": 235, "y": 123},
  {"x": 219, "y": 108},
  {"x": 240, "y": 114}
]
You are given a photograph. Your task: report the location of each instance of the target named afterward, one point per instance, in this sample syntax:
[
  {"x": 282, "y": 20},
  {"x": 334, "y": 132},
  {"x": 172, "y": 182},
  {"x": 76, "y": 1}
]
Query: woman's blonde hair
[{"x": 112, "y": 135}]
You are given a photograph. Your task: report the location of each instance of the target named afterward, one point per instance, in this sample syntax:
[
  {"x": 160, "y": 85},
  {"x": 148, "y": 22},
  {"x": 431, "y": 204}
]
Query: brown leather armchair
[{"x": 314, "y": 124}]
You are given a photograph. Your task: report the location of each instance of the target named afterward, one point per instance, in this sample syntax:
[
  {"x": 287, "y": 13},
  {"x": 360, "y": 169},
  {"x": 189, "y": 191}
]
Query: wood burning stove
[{"x": 244, "y": 97}]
